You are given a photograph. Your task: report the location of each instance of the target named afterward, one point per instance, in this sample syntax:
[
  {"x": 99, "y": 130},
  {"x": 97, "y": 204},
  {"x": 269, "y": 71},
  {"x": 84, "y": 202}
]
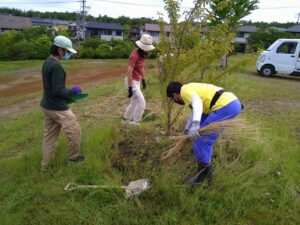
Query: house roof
[
  {"x": 107, "y": 26},
  {"x": 51, "y": 22},
  {"x": 282, "y": 29},
  {"x": 155, "y": 27},
  {"x": 14, "y": 22},
  {"x": 247, "y": 29},
  {"x": 294, "y": 29}
]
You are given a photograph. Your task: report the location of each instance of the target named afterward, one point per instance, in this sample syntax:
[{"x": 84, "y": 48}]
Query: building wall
[{"x": 104, "y": 34}]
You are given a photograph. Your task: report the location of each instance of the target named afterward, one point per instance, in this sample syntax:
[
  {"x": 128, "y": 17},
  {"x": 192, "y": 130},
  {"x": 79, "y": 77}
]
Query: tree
[
  {"x": 230, "y": 12},
  {"x": 41, "y": 47},
  {"x": 189, "y": 49},
  {"x": 262, "y": 39}
]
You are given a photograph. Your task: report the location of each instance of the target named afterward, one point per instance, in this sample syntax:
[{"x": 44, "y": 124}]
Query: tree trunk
[
  {"x": 169, "y": 112},
  {"x": 224, "y": 61}
]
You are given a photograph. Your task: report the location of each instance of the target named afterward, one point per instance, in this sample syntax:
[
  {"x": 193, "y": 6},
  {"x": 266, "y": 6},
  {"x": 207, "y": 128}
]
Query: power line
[
  {"x": 135, "y": 4},
  {"x": 160, "y": 6},
  {"x": 38, "y": 3},
  {"x": 281, "y": 7},
  {"x": 130, "y": 3}
]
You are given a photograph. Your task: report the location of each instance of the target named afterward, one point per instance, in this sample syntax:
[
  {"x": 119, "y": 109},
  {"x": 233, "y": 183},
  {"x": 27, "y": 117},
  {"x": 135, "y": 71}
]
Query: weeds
[{"x": 255, "y": 177}]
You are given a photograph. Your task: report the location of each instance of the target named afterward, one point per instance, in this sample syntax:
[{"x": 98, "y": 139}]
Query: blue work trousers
[{"x": 203, "y": 146}]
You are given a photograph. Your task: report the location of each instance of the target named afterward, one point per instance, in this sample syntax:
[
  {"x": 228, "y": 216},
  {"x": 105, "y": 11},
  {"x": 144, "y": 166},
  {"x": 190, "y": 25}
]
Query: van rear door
[{"x": 285, "y": 57}]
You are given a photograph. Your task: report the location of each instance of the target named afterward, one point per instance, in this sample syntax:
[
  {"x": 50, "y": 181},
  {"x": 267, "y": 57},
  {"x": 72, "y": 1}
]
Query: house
[
  {"x": 50, "y": 23},
  {"x": 106, "y": 31},
  {"x": 8, "y": 22},
  {"x": 240, "y": 41},
  {"x": 154, "y": 31},
  {"x": 135, "y": 33},
  {"x": 280, "y": 29},
  {"x": 295, "y": 29}
]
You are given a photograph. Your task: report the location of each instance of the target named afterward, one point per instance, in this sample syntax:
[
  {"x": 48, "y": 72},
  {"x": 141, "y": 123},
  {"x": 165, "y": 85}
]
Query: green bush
[
  {"x": 41, "y": 47},
  {"x": 87, "y": 53},
  {"x": 22, "y": 50},
  {"x": 92, "y": 43},
  {"x": 103, "y": 51},
  {"x": 122, "y": 50},
  {"x": 30, "y": 43},
  {"x": 34, "y": 43}
]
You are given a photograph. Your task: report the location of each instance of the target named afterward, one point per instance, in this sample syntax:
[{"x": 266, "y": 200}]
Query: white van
[{"x": 281, "y": 57}]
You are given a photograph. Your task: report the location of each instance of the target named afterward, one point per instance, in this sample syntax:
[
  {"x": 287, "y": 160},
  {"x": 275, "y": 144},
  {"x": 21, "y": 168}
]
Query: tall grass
[{"x": 255, "y": 178}]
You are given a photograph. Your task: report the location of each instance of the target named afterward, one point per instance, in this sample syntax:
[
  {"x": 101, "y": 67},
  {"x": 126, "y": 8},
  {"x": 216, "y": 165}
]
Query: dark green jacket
[{"x": 55, "y": 92}]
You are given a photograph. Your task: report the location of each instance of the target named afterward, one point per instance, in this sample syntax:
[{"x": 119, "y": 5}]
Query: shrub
[
  {"x": 103, "y": 51},
  {"x": 92, "y": 43},
  {"x": 41, "y": 47},
  {"x": 22, "y": 50},
  {"x": 119, "y": 52},
  {"x": 87, "y": 53}
]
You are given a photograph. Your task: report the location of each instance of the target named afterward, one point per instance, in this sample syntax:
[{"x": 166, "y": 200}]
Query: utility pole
[
  {"x": 298, "y": 18},
  {"x": 80, "y": 25}
]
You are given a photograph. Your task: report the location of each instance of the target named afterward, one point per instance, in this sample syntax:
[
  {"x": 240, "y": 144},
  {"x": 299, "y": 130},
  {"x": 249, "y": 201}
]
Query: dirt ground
[{"x": 30, "y": 81}]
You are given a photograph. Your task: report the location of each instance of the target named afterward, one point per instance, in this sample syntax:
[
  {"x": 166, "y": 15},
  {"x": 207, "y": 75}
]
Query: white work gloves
[{"x": 193, "y": 131}]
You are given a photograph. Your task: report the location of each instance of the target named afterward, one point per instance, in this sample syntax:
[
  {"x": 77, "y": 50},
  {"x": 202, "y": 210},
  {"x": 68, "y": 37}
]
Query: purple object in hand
[{"x": 76, "y": 90}]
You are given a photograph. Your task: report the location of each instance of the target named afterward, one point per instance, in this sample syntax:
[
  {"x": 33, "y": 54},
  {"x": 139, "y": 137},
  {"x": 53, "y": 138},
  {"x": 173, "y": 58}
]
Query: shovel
[{"x": 133, "y": 188}]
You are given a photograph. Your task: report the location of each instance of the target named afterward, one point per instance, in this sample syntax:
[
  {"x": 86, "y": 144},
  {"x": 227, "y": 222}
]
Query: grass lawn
[{"x": 256, "y": 177}]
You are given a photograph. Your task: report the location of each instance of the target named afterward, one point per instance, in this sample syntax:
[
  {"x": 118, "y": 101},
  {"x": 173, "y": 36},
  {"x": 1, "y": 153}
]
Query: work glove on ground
[
  {"x": 130, "y": 92},
  {"x": 76, "y": 90},
  {"x": 144, "y": 83},
  {"x": 193, "y": 131}
]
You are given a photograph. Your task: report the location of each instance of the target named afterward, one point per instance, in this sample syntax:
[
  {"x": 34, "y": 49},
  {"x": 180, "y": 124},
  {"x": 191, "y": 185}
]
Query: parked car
[{"x": 281, "y": 57}]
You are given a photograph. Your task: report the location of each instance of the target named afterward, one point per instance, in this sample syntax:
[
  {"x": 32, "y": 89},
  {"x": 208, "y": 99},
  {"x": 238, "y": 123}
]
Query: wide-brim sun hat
[
  {"x": 65, "y": 43},
  {"x": 145, "y": 43}
]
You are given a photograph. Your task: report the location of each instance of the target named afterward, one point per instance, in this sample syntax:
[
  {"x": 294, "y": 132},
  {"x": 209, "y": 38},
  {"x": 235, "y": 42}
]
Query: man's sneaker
[
  {"x": 78, "y": 159},
  {"x": 124, "y": 121},
  {"x": 134, "y": 123}
]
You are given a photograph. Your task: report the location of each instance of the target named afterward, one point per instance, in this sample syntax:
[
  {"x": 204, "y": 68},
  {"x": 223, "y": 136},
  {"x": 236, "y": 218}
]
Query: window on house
[
  {"x": 154, "y": 34},
  {"x": 241, "y": 34},
  {"x": 119, "y": 33},
  {"x": 287, "y": 48},
  {"x": 94, "y": 32},
  {"x": 106, "y": 32}
]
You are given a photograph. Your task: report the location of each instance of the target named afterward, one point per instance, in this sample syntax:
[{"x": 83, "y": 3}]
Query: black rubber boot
[{"x": 204, "y": 172}]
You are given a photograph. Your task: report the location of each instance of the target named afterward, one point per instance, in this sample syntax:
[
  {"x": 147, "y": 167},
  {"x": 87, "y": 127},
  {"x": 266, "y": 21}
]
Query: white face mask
[{"x": 66, "y": 56}]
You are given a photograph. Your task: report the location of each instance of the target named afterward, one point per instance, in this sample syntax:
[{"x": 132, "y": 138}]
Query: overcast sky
[{"x": 269, "y": 10}]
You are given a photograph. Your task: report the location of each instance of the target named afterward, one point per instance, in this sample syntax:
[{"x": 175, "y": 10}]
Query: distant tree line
[
  {"x": 123, "y": 20},
  {"x": 263, "y": 38},
  {"x": 265, "y": 25},
  {"x": 31, "y": 13}
]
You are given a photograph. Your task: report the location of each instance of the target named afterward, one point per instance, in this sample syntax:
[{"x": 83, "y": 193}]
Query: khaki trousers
[{"x": 54, "y": 121}]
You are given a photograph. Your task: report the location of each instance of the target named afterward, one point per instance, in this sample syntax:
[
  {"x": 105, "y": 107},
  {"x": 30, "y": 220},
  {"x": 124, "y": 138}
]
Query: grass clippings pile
[{"x": 233, "y": 127}]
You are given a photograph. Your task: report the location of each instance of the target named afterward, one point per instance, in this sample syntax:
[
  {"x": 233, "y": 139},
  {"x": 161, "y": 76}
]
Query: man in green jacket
[{"x": 54, "y": 104}]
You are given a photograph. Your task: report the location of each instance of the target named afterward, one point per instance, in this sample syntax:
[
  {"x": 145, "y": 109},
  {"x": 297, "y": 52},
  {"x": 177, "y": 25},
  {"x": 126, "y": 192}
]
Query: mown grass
[
  {"x": 7, "y": 67},
  {"x": 256, "y": 173},
  {"x": 13, "y": 66}
]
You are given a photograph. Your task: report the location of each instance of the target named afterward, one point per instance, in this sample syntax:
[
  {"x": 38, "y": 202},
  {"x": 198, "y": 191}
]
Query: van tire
[{"x": 267, "y": 71}]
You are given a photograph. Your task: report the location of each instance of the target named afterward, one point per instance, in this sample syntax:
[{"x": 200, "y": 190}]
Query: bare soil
[{"x": 30, "y": 82}]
